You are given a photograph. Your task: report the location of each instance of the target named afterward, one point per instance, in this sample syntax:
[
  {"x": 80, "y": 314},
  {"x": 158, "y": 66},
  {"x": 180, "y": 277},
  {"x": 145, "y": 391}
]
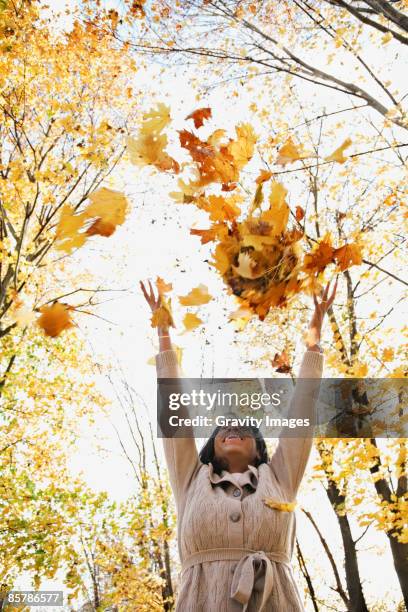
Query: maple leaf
[
  {"x": 278, "y": 213},
  {"x": 199, "y": 116},
  {"x": 110, "y": 207},
  {"x": 191, "y": 321},
  {"x": 155, "y": 120},
  {"x": 55, "y": 318},
  {"x": 197, "y": 296},
  {"x": 222, "y": 209},
  {"x": 242, "y": 149},
  {"x": 338, "y": 154},
  {"x": 320, "y": 257},
  {"x": 68, "y": 235},
  {"x": 290, "y": 152},
  {"x": 281, "y": 363},
  {"x": 217, "y": 231},
  {"x": 148, "y": 149},
  {"x": 348, "y": 255},
  {"x": 221, "y": 260}
]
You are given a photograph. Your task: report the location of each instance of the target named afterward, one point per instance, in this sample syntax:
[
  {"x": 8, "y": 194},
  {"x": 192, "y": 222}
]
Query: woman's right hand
[{"x": 153, "y": 301}]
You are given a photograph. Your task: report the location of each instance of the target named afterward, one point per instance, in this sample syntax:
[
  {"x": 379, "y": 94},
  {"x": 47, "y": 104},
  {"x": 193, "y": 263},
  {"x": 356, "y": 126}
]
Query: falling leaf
[
  {"x": 290, "y": 152},
  {"x": 242, "y": 149},
  {"x": 156, "y": 119},
  {"x": 320, "y": 257},
  {"x": 300, "y": 213},
  {"x": 191, "y": 321},
  {"x": 216, "y": 231},
  {"x": 199, "y": 116},
  {"x": 277, "y": 505},
  {"x": 338, "y": 154},
  {"x": 162, "y": 286},
  {"x": 278, "y": 213},
  {"x": 149, "y": 149},
  {"x": 264, "y": 176},
  {"x": 241, "y": 317},
  {"x": 221, "y": 260},
  {"x": 110, "y": 207},
  {"x": 197, "y": 296},
  {"x": 348, "y": 255},
  {"x": 281, "y": 363},
  {"x": 55, "y": 318},
  {"x": 68, "y": 235}
]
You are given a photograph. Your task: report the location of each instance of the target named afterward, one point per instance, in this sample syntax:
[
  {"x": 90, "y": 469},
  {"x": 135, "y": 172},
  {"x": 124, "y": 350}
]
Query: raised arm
[
  {"x": 181, "y": 453},
  {"x": 291, "y": 456}
]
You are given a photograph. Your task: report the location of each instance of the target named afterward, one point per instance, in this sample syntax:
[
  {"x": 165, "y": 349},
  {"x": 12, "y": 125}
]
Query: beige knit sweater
[{"x": 235, "y": 550}]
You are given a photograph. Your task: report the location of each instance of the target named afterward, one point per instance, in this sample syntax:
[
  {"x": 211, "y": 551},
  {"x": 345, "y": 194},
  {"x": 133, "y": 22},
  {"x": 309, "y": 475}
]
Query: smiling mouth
[{"x": 233, "y": 436}]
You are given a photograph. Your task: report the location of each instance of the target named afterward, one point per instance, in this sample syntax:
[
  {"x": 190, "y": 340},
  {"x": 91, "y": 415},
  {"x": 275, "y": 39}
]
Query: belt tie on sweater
[{"x": 243, "y": 580}]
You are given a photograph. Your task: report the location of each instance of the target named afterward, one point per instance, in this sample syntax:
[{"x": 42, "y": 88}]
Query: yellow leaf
[
  {"x": 221, "y": 260},
  {"x": 242, "y": 149},
  {"x": 290, "y": 152},
  {"x": 110, "y": 209},
  {"x": 278, "y": 213},
  {"x": 156, "y": 119},
  {"x": 68, "y": 235},
  {"x": 388, "y": 354},
  {"x": 197, "y": 296},
  {"x": 162, "y": 317},
  {"x": 191, "y": 321},
  {"x": 282, "y": 506},
  {"x": 338, "y": 154},
  {"x": 386, "y": 38}
]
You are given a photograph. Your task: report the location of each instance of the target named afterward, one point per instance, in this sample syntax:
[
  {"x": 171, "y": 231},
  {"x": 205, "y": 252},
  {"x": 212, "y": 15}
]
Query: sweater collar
[{"x": 249, "y": 477}]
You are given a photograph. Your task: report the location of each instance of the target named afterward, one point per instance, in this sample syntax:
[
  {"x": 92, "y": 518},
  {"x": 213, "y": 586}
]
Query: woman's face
[{"x": 235, "y": 446}]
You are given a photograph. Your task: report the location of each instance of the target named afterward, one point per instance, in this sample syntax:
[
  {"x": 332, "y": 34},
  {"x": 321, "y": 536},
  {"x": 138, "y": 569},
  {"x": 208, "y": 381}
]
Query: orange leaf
[
  {"x": 348, "y": 255},
  {"x": 199, "y": 116},
  {"x": 322, "y": 256},
  {"x": 216, "y": 231},
  {"x": 300, "y": 213},
  {"x": 281, "y": 363},
  {"x": 264, "y": 175},
  {"x": 55, "y": 318},
  {"x": 162, "y": 286}
]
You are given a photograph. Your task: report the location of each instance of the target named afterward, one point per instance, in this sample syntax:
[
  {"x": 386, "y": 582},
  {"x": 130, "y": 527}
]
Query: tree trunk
[{"x": 399, "y": 550}]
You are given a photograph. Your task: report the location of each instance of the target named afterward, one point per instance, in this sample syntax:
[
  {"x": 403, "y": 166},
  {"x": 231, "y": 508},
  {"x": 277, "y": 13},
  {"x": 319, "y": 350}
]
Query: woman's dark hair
[{"x": 207, "y": 453}]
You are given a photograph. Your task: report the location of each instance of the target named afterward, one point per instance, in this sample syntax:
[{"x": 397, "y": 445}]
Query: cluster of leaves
[{"x": 259, "y": 255}]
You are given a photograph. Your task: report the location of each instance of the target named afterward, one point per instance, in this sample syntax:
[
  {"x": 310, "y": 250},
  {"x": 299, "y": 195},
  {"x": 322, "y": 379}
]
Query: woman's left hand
[{"x": 321, "y": 307}]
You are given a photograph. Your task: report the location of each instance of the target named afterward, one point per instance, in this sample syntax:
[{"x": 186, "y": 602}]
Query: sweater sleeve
[
  {"x": 180, "y": 453},
  {"x": 291, "y": 456}
]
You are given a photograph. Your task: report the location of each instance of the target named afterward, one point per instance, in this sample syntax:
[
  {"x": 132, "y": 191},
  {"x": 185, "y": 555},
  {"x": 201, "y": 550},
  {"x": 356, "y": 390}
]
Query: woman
[{"x": 235, "y": 538}]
